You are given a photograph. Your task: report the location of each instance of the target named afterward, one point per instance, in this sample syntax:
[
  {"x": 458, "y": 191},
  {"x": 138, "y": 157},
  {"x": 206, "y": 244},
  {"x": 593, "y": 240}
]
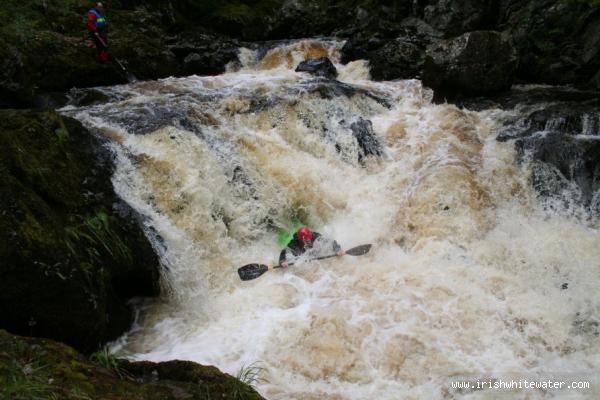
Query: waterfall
[{"x": 469, "y": 274}]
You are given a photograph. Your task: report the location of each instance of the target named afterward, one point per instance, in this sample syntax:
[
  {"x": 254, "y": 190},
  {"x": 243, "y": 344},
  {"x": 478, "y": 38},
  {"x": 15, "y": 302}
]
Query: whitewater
[{"x": 471, "y": 276}]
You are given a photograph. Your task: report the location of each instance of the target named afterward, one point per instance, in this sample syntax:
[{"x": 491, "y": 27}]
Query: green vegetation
[
  {"x": 550, "y": 39},
  {"x": 45, "y": 47},
  {"x": 44, "y": 42},
  {"x": 94, "y": 232},
  {"x": 109, "y": 361},
  {"x": 246, "y": 379},
  {"x": 39, "y": 369},
  {"x": 20, "y": 382},
  {"x": 63, "y": 245},
  {"x": 22, "y": 18},
  {"x": 21, "y": 373}
]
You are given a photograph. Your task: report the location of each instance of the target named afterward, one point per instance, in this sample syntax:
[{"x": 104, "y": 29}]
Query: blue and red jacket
[{"x": 96, "y": 22}]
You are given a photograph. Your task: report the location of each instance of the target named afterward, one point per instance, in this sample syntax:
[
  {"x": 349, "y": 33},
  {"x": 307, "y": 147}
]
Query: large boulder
[
  {"x": 309, "y": 18},
  {"x": 367, "y": 140},
  {"x": 32, "y": 368},
  {"x": 322, "y": 67},
  {"x": 566, "y": 169},
  {"x": 203, "y": 54},
  {"x": 561, "y": 142},
  {"x": 15, "y": 90},
  {"x": 475, "y": 63},
  {"x": 457, "y": 17},
  {"x": 71, "y": 253},
  {"x": 557, "y": 41},
  {"x": 400, "y": 56}
]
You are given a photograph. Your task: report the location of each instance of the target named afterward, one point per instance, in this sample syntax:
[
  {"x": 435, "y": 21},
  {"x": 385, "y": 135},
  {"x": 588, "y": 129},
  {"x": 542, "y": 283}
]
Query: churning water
[{"x": 469, "y": 276}]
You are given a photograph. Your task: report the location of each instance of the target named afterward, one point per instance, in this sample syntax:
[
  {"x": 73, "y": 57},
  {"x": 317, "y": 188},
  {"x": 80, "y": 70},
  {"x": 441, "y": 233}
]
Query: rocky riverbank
[
  {"x": 45, "y": 51},
  {"x": 32, "y": 368},
  {"x": 72, "y": 255},
  {"x": 72, "y": 252},
  {"x": 556, "y": 129},
  {"x": 448, "y": 45}
]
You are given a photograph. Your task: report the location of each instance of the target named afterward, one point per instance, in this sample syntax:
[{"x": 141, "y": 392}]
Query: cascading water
[{"x": 469, "y": 275}]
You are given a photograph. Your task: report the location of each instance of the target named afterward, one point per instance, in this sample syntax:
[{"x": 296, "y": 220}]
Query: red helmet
[{"x": 304, "y": 234}]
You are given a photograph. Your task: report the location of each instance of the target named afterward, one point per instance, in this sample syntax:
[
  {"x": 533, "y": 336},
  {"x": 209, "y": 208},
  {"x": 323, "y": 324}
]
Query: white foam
[{"x": 465, "y": 277}]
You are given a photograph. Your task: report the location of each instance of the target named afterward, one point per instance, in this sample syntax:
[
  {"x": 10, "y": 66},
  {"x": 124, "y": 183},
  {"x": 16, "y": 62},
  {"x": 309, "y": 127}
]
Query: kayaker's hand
[
  {"x": 341, "y": 253},
  {"x": 284, "y": 264}
]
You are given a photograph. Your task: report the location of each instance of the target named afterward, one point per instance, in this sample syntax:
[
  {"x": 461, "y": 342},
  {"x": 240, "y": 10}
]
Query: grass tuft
[
  {"x": 244, "y": 386},
  {"x": 109, "y": 361},
  {"x": 20, "y": 382}
]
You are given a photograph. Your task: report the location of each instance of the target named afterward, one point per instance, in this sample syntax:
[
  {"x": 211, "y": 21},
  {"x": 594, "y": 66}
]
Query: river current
[{"x": 471, "y": 277}]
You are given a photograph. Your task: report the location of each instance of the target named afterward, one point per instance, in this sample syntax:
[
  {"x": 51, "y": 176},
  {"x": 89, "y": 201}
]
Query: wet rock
[
  {"x": 561, "y": 142},
  {"x": 366, "y": 138},
  {"x": 69, "y": 259},
  {"x": 328, "y": 89},
  {"x": 585, "y": 325},
  {"x": 457, "y": 17},
  {"x": 196, "y": 64},
  {"x": 147, "y": 118},
  {"x": 530, "y": 98},
  {"x": 260, "y": 104},
  {"x": 15, "y": 89},
  {"x": 398, "y": 57},
  {"x": 319, "y": 67},
  {"x": 66, "y": 374},
  {"x": 573, "y": 119},
  {"x": 563, "y": 160},
  {"x": 472, "y": 64},
  {"x": 50, "y": 100},
  {"x": 557, "y": 41},
  {"x": 203, "y": 54},
  {"x": 87, "y": 97},
  {"x": 188, "y": 371},
  {"x": 318, "y": 18},
  {"x": 242, "y": 184}
]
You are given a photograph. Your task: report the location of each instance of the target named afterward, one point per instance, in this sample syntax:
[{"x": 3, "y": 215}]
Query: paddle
[
  {"x": 253, "y": 271},
  {"x": 130, "y": 77}
]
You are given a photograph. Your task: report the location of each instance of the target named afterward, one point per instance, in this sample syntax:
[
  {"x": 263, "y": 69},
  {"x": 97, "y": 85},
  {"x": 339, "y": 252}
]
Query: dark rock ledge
[
  {"x": 32, "y": 368},
  {"x": 71, "y": 252}
]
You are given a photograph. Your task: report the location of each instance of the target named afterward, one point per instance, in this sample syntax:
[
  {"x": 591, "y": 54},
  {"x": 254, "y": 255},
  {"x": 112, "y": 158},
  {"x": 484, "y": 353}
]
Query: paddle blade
[
  {"x": 359, "y": 250},
  {"x": 252, "y": 271}
]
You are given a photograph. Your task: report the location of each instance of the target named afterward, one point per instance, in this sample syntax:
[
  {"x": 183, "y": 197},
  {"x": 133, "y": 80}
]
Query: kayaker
[{"x": 305, "y": 240}]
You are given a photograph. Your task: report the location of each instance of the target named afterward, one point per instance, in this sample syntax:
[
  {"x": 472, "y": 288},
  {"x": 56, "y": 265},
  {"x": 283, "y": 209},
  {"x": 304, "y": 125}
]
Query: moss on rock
[
  {"x": 68, "y": 260},
  {"x": 33, "y": 368},
  {"x": 551, "y": 38},
  {"x": 43, "y": 44}
]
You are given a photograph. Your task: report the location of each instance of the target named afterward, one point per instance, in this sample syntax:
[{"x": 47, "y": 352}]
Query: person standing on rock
[
  {"x": 96, "y": 24},
  {"x": 303, "y": 241}
]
